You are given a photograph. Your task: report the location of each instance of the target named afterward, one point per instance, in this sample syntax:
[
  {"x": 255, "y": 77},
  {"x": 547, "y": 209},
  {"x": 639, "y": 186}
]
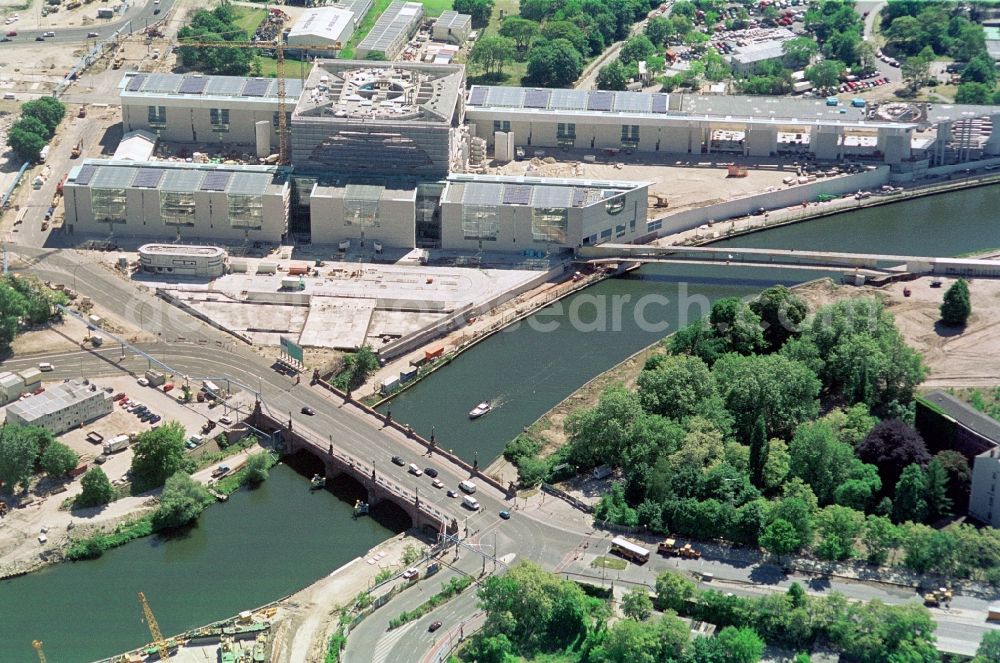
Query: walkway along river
[{"x": 264, "y": 544}]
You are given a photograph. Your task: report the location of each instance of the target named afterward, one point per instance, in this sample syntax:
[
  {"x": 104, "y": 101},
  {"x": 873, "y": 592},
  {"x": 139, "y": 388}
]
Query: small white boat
[{"x": 480, "y": 410}]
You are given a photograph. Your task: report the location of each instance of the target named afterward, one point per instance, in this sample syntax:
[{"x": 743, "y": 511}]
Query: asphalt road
[{"x": 140, "y": 15}]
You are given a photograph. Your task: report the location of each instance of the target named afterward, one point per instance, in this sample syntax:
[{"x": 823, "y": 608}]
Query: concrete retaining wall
[
  {"x": 938, "y": 171},
  {"x": 835, "y": 186},
  {"x": 170, "y": 299}
]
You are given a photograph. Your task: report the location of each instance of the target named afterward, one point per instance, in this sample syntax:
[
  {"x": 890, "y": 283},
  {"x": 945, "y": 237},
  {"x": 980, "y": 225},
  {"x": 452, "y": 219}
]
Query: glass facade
[
  {"x": 177, "y": 208},
  {"x": 108, "y": 205},
  {"x": 246, "y": 211},
  {"x": 630, "y": 135},
  {"x": 549, "y": 224},
  {"x": 566, "y": 134},
  {"x": 481, "y": 222},
  {"x": 157, "y": 116},
  {"x": 219, "y": 118}
]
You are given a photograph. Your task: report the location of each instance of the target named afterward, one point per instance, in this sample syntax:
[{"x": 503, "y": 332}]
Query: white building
[
  {"x": 61, "y": 407},
  {"x": 165, "y": 199},
  {"x": 136, "y": 145},
  {"x": 452, "y": 27},
  {"x": 984, "y": 497},
  {"x": 182, "y": 260},
  {"x": 392, "y": 30},
  {"x": 11, "y": 387},
  {"x": 331, "y": 25}
]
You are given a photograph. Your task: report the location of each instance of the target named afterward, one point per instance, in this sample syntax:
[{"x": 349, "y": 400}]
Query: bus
[{"x": 629, "y": 551}]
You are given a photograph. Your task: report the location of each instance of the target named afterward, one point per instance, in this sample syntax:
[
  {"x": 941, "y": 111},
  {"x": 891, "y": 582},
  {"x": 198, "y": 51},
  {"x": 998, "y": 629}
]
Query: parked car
[
  {"x": 155, "y": 418},
  {"x": 220, "y": 471},
  {"x": 452, "y": 493},
  {"x": 225, "y": 420},
  {"x": 143, "y": 382}
]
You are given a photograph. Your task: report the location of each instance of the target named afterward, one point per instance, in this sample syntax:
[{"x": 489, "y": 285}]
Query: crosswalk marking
[{"x": 385, "y": 644}]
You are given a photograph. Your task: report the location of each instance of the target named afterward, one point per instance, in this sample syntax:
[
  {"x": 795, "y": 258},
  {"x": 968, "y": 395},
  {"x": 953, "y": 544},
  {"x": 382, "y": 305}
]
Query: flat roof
[
  {"x": 8, "y": 379},
  {"x": 181, "y": 249},
  {"x": 174, "y": 176},
  {"x": 393, "y": 92},
  {"x": 452, "y": 19},
  {"x": 54, "y": 399},
  {"x": 766, "y": 50},
  {"x": 538, "y": 192},
  {"x": 966, "y": 415},
  {"x": 398, "y": 19},
  {"x": 196, "y": 86},
  {"x": 323, "y": 23}
]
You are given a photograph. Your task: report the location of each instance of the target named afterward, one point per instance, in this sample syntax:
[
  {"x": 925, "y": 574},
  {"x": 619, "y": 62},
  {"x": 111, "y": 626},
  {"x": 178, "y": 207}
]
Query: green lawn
[
  {"x": 609, "y": 563},
  {"x": 514, "y": 71},
  {"x": 248, "y": 19},
  {"x": 435, "y": 7}
]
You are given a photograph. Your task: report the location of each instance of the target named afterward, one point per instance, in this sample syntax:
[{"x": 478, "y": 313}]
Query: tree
[
  {"x": 783, "y": 391},
  {"x": 659, "y": 30},
  {"x": 735, "y": 322},
  {"x": 159, "y": 454},
  {"x": 256, "y": 470},
  {"x": 12, "y": 307},
  {"x": 742, "y": 645},
  {"x": 554, "y": 64},
  {"x": 49, "y": 111},
  {"x": 819, "y": 459},
  {"x": 183, "y": 499},
  {"x": 18, "y": 452},
  {"x": 480, "y": 10},
  {"x": 97, "y": 490},
  {"x": 974, "y": 93},
  {"x": 916, "y": 69},
  {"x": 612, "y": 76},
  {"x": 910, "y": 503},
  {"x": 981, "y": 69},
  {"x": 905, "y": 33},
  {"x": 376, "y": 56},
  {"x": 851, "y": 425},
  {"x": 358, "y": 366},
  {"x": 602, "y": 433},
  {"x": 890, "y": 446},
  {"x": 491, "y": 53},
  {"x": 636, "y": 48},
  {"x": 838, "y": 527},
  {"x": 798, "y": 52},
  {"x": 495, "y": 648},
  {"x": 569, "y": 31},
  {"x": 957, "y": 306},
  {"x": 959, "y": 476},
  {"x": 780, "y": 310},
  {"x": 629, "y": 641},
  {"x": 777, "y": 466},
  {"x": 758, "y": 453},
  {"x": 678, "y": 387},
  {"x": 58, "y": 460},
  {"x": 637, "y": 605},
  {"x": 927, "y": 549},
  {"x": 24, "y": 141},
  {"x": 410, "y": 554},
  {"x": 673, "y": 591},
  {"x": 989, "y": 648},
  {"x": 936, "y": 491},
  {"x": 825, "y": 74},
  {"x": 879, "y": 535},
  {"x": 521, "y": 30},
  {"x": 780, "y": 537}
]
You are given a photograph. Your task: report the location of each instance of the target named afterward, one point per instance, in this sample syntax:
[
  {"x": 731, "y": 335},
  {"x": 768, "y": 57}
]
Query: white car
[
  {"x": 437, "y": 483},
  {"x": 225, "y": 421},
  {"x": 143, "y": 382}
]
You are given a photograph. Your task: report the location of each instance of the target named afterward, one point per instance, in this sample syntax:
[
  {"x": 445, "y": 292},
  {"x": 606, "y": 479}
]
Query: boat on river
[
  {"x": 480, "y": 410},
  {"x": 317, "y": 482}
]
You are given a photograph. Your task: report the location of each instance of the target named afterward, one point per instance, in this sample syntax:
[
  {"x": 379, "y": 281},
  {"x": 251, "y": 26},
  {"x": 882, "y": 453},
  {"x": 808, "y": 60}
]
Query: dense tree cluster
[
  {"x": 36, "y": 126},
  {"x": 158, "y": 455},
  {"x": 957, "y": 305},
  {"x": 24, "y": 300},
  {"x": 21, "y": 448},
  {"x": 215, "y": 26},
  {"x": 182, "y": 501}
]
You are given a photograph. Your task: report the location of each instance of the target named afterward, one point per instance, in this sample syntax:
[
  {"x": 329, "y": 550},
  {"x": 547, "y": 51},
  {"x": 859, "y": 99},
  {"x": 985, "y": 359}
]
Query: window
[
  {"x": 549, "y": 224},
  {"x": 177, "y": 208},
  {"x": 157, "y": 116},
  {"x": 288, "y": 119},
  {"x": 566, "y": 134},
  {"x": 501, "y": 125},
  {"x": 108, "y": 205},
  {"x": 481, "y": 222},
  {"x": 605, "y": 234},
  {"x": 630, "y": 135},
  {"x": 246, "y": 211},
  {"x": 615, "y": 205},
  {"x": 620, "y": 231},
  {"x": 219, "y": 117},
  {"x": 654, "y": 225}
]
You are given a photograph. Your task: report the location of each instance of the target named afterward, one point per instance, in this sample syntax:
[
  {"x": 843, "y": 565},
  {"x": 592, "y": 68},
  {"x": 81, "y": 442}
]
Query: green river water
[{"x": 264, "y": 544}]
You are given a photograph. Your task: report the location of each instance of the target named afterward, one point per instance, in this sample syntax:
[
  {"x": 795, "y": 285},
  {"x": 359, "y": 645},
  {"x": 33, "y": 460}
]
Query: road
[
  {"x": 140, "y": 15},
  {"x": 551, "y": 534}
]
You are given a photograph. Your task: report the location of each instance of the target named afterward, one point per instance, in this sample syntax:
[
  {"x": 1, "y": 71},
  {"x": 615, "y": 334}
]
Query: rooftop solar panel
[
  {"x": 537, "y": 98},
  {"x": 113, "y": 177},
  {"x": 478, "y": 96},
  {"x": 86, "y": 173},
  {"x": 192, "y": 85},
  {"x": 659, "y": 103},
  {"x": 482, "y": 193},
  {"x": 181, "y": 179},
  {"x": 632, "y": 102},
  {"x": 136, "y": 82},
  {"x": 162, "y": 83},
  {"x": 226, "y": 86},
  {"x": 215, "y": 181},
  {"x": 256, "y": 87},
  {"x": 600, "y": 101},
  {"x": 552, "y": 196},
  {"x": 517, "y": 194},
  {"x": 506, "y": 97},
  {"x": 148, "y": 178},
  {"x": 568, "y": 99}
]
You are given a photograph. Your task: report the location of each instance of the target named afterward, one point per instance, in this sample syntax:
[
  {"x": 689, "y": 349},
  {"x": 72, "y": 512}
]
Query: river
[
  {"x": 527, "y": 371},
  {"x": 267, "y": 543},
  {"x": 259, "y": 546}
]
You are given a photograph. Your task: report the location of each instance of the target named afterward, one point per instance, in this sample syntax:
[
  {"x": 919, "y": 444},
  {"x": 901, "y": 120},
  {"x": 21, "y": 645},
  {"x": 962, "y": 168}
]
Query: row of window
[
  {"x": 178, "y": 208},
  {"x": 566, "y": 133},
  {"x": 217, "y": 117}
]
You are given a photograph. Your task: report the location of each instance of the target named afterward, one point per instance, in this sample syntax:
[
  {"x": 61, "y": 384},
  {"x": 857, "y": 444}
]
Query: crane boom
[
  {"x": 37, "y": 644},
  {"x": 154, "y": 628},
  {"x": 279, "y": 55}
]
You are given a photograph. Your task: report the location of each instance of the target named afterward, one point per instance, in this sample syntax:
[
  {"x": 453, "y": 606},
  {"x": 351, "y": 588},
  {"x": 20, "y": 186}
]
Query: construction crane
[
  {"x": 279, "y": 55},
  {"x": 161, "y": 645},
  {"x": 37, "y": 644}
]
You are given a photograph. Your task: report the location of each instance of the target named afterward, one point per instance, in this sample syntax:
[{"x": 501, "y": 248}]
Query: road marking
[{"x": 385, "y": 644}]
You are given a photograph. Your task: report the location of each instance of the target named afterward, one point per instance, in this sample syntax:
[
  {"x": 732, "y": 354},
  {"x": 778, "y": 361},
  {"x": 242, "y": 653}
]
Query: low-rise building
[
  {"x": 31, "y": 379},
  {"x": 61, "y": 407},
  {"x": 452, "y": 27},
  {"x": 984, "y": 501},
  {"x": 175, "y": 200},
  {"x": 392, "y": 30},
  {"x": 182, "y": 260},
  {"x": 11, "y": 386},
  {"x": 331, "y": 24}
]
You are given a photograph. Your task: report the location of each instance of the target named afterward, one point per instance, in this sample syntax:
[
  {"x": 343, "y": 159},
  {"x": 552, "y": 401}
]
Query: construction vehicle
[
  {"x": 117, "y": 63},
  {"x": 668, "y": 547},
  {"x": 77, "y": 150},
  {"x": 83, "y": 111},
  {"x": 658, "y": 201},
  {"x": 734, "y": 170},
  {"x": 688, "y": 552},
  {"x": 159, "y": 644},
  {"x": 935, "y": 597},
  {"x": 37, "y": 644}
]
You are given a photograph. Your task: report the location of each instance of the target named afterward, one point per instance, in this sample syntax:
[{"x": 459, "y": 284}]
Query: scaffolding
[
  {"x": 246, "y": 211},
  {"x": 361, "y": 205},
  {"x": 108, "y": 205}
]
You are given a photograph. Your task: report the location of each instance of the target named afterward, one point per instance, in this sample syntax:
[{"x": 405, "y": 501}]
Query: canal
[
  {"x": 265, "y": 544},
  {"x": 259, "y": 546},
  {"x": 528, "y": 369}
]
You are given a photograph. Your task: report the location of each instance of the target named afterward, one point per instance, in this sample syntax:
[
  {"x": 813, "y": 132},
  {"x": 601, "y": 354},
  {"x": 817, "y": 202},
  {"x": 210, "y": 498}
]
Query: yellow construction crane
[
  {"x": 37, "y": 644},
  {"x": 158, "y": 642},
  {"x": 279, "y": 55}
]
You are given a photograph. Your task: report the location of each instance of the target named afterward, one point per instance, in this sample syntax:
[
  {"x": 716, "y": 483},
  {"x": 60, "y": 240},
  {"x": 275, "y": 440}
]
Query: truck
[
  {"x": 116, "y": 444},
  {"x": 44, "y": 154},
  {"x": 155, "y": 378},
  {"x": 670, "y": 547},
  {"x": 936, "y": 597},
  {"x": 77, "y": 150}
]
